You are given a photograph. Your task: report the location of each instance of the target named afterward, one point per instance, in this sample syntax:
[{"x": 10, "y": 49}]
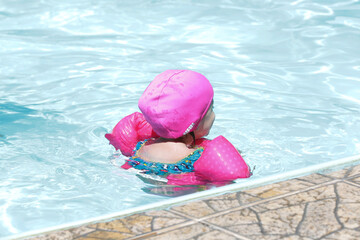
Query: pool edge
[{"x": 343, "y": 162}]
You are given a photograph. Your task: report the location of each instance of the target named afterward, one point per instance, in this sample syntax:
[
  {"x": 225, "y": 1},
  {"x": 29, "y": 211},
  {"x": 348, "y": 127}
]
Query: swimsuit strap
[{"x": 184, "y": 165}]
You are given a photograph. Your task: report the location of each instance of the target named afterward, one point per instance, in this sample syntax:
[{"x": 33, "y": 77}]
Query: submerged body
[{"x": 167, "y": 138}]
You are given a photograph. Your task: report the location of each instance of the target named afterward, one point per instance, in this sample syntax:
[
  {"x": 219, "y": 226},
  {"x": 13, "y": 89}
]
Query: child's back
[{"x": 164, "y": 152}]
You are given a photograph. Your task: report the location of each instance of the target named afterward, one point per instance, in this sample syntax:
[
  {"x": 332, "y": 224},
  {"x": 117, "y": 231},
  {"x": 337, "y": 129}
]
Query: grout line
[
  {"x": 352, "y": 183},
  {"x": 225, "y": 230},
  {"x": 164, "y": 230},
  {"x": 143, "y": 236},
  {"x": 185, "y": 224},
  {"x": 353, "y": 176}
]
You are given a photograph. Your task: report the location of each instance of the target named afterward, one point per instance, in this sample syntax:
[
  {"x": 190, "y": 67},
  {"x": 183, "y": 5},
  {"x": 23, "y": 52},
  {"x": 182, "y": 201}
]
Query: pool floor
[{"x": 317, "y": 206}]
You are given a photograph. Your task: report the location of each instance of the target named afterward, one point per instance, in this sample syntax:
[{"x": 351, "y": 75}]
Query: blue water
[{"x": 286, "y": 76}]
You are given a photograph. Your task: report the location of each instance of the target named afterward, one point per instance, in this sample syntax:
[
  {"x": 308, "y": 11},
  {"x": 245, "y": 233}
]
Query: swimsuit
[{"x": 184, "y": 165}]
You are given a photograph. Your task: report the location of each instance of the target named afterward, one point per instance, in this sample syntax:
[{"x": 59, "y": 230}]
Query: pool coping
[{"x": 242, "y": 185}]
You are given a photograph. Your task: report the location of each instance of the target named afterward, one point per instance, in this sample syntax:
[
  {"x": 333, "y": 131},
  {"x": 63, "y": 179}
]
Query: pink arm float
[
  {"x": 129, "y": 131},
  {"x": 220, "y": 162}
]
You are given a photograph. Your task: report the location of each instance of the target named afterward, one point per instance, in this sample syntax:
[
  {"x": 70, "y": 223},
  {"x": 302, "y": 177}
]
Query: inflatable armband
[
  {"x": 129, "y": 131},
  {"x": 219, "y": 162}
]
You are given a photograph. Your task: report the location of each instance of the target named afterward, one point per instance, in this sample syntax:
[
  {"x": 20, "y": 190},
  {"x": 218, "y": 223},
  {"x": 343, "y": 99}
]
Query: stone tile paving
[{"x": 317, "y": 206}]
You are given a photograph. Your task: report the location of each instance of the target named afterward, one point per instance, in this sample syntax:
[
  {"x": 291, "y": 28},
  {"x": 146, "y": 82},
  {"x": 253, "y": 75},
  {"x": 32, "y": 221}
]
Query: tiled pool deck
[{"x": 317, "y": 206}]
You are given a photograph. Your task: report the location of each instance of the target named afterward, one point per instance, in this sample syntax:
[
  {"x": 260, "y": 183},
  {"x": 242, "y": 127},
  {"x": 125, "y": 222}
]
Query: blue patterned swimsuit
[{"x": 162, "y": 169}]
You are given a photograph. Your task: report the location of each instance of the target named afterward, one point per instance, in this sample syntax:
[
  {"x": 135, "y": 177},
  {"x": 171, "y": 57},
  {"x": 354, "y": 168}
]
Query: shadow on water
[
  {"x": 160, "y": 188},
  {"x": 17, "y": 118},
  {"x": 14, "y": 118}
]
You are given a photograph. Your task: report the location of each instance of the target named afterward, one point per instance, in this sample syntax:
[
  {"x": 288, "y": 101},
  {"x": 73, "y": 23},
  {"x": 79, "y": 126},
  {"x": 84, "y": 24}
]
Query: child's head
[{"x": 177, "y": 102}]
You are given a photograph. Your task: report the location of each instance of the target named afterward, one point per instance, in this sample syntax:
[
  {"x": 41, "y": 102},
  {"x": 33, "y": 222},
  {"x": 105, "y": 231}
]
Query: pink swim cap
[{"x": 176, "y": 101}]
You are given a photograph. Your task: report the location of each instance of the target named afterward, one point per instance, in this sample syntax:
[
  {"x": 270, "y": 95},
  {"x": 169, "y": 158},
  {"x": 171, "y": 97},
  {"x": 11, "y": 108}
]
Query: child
[{"x": 167, "y": 138}]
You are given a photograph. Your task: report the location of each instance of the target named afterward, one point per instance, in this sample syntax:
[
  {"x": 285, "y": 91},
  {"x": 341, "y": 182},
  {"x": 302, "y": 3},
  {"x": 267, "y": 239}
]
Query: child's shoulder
[{"x": 164, "y": 152}]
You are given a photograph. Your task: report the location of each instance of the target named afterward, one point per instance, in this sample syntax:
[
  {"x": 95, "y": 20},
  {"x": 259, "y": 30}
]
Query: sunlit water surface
[{"x": 285, "y": 74}]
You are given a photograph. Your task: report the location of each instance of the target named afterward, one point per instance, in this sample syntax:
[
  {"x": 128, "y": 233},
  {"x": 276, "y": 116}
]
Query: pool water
[{"x": 286, "y": 76}]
